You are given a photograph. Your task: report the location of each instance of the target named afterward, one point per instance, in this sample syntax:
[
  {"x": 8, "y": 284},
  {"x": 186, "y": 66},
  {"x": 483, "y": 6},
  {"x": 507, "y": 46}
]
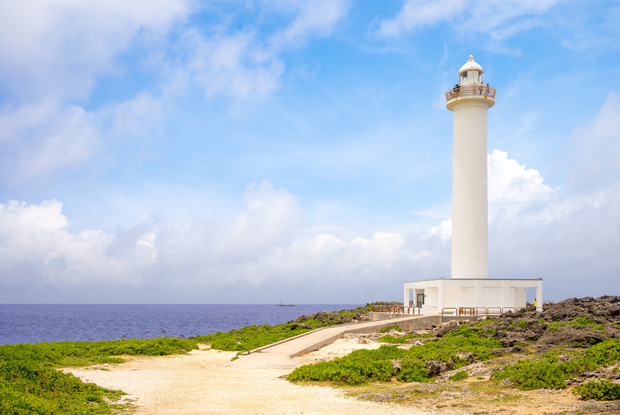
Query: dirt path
[
  {"x": 202, "y": 382},
  {"x": 206, "y": 382}
]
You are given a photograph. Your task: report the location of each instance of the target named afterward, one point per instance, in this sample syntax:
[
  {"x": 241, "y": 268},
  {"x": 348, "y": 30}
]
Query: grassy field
[{"x": 30, "y": 382}]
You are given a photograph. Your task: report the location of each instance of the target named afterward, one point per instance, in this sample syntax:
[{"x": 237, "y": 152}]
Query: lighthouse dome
[
  {"x": 470, "y": 73},
  {"x": 471, "y": 65}
]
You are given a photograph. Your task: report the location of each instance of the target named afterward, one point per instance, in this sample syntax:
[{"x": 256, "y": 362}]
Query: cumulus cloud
[
  {"x": 53, "y": 53},
  {"x": 40, "y": 138},
  {"x": 316, "y": 18},
  {"x": 569, "y": 235},
  {"x": 495, "y": 16},
  {"x": 257, "y": 253},
  {"x": 511, "y": 182},
  {"x": 245, "y": 64},
  {"x": 232, "y": 65},
  {"x": 37, "y": 249},
  {"x": 57, "y": 49},
  {"x": 595, "y": 149}
]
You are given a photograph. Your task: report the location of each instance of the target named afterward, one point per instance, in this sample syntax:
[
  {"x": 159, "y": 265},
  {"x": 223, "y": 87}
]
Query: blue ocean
[{"x": 33, "y": 323}]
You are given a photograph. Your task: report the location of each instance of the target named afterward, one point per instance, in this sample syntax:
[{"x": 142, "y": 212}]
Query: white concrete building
[{"x": 470, "y": 286}]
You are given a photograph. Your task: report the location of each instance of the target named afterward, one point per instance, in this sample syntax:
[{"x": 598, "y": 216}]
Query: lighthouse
[
  {"x": 470, "y": 291},
  {"x": 469, "y": 101}
]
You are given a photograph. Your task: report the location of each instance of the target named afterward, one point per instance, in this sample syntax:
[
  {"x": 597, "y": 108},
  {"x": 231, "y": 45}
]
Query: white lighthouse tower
[
  {"x": 469, "y": 101},
  {"x": 470, "y": 290}
]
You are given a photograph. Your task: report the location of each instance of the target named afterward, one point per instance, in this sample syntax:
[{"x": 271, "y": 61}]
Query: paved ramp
[{"x": 283, "y": 354}]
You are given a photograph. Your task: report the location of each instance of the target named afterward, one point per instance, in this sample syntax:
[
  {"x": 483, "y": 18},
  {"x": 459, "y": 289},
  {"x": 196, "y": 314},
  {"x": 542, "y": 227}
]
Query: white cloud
[
  {"x": 232, "y": 65},
  {"x": 52, "y": 52},
  {"x": 135, "y": 117},
  {"x": 595, "y": 149},
  {"x": 316, "y": 18},
  {"x": 39, "y": 139},
  {"x": 37, "y": 248},
  {"x": 43, "y": 138},
  {"x": 511, "y": 182},
  {"x": 57, "y": 48},
  {"x": 246, "y": 64},
  {"x": 270, "y": 218},
  {"x": 493, "y": 16},
  {"x": 416, "y": 13},
  {"x": 443, "y": 230}
]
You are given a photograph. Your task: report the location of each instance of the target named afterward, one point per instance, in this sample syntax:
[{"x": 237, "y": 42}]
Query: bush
[
  {"x": 252, "y": 337},
  {"x": 390, "y": 328},
  {"x": 31, "y": 384},
  {"x": 390, "y": 361},
  {"x": 530, "y": 375},
  {"x": 460, "y": 375},
  {"x": 485, "y": 322},
  {"x": 549, "y": 372},
  {"x": 600, "y": 391}
]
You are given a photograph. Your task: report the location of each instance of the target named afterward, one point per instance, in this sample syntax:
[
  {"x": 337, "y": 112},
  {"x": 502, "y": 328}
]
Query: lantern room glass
[{"x": 470, "y": 78}]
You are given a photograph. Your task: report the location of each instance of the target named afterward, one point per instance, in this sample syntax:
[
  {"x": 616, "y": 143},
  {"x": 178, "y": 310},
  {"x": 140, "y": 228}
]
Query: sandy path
[{"x": 203, "y": 382}]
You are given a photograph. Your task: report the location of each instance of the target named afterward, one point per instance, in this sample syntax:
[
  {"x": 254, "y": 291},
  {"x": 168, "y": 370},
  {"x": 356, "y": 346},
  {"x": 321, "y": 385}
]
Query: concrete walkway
[{"x": 284, "y": 354}]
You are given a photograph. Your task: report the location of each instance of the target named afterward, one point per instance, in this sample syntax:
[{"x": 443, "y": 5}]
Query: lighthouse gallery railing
[{"x": 469, "y": 90}]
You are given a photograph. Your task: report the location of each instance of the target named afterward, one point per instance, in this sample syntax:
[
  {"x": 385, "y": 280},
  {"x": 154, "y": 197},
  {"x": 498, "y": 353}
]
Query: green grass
[
  {"x": 460, "y": 375},
  {"x": 578, "y": 322},
  {"x": 387, "y": 362},
  {"x": 388, "y": 338},
  {"x": 252, "y": 337},
  {"x": 390, "y": 328},
  {"x": 485, "y": 322},
  {"x": 549, "y": 372},
  {"x": 604, "y": 390},
  {"x": 31, "y": 384}
]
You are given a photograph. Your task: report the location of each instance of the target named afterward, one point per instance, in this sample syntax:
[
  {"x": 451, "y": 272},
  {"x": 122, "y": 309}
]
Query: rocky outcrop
[{"x": 576, "y": 322}]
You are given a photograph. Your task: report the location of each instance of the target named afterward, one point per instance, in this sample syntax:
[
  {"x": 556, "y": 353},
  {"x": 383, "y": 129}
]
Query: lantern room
[{"x": 470, "y": 73}]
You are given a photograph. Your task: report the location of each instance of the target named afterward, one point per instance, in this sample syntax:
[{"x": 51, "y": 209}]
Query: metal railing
[
  {"x": 477, "y": 311},
  {"x": 397, "y": 309},
  {"x": 446, "y": 311},
  {"x": 389, "y": 309},
  {"x": 469, "y": 90}
]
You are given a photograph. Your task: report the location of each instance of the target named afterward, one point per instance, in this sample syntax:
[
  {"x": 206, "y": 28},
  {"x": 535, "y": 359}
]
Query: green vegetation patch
[
  {"x": 30, "y": 382},
  {"x": 252, "y": 337},
  {"x": 390, "y": 328},
  {"x": 578, "y": 322},
  {"x": 388, "y": 338},
  {"x": 550, "y": 372},
  {"x": 485, "y": 322},
  {"x": 460, "y": 375},
  {"x": 601, "y": 391},
  {"x": 389, "y": 362}
]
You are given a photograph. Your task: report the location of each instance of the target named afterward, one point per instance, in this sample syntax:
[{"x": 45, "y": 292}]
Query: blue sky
[{"x": 258, "y": 151}]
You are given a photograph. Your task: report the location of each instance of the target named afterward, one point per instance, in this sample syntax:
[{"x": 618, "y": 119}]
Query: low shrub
[
  {"x": 390, "y": 328},
  {"x": 460, "y": 375},
  {"x": 551, "y": 373},
  {"x": 30, "y": 382},
  {"x": 252, "y": 337},
  {"x": 604, "y": 390},
  {"x": 405, "y": 365},
  {"x": 485, "y": 322},
  {"x": 539, "y": 374}
]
